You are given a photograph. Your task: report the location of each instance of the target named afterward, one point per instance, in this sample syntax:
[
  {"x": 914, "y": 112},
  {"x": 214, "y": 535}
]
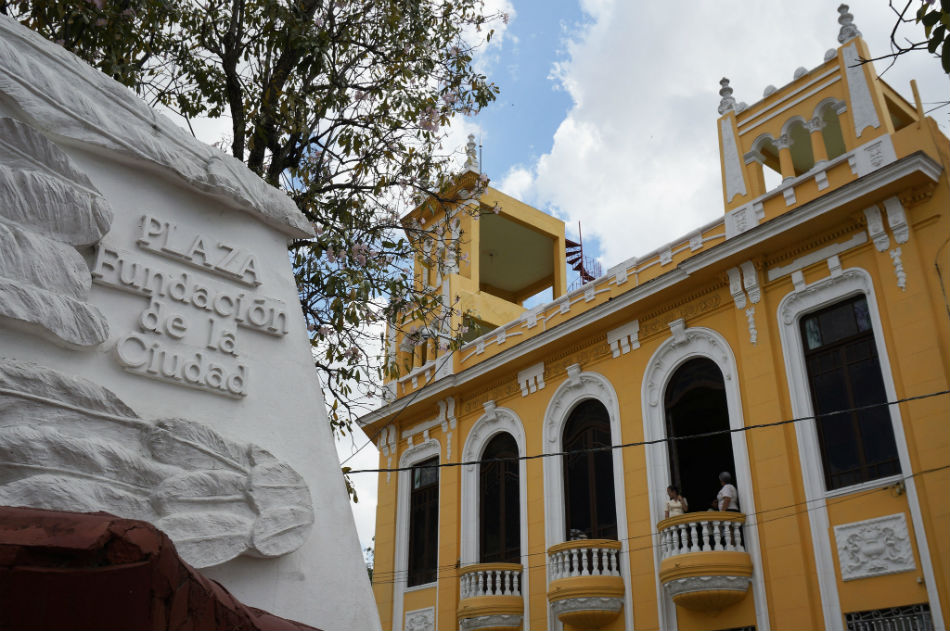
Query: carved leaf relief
[
  {"x": 48, "y": 208},
  {"x": 68, "y": 444}
]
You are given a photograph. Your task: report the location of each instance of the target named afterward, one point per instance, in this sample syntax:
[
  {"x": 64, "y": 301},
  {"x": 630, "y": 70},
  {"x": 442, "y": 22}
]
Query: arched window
[
  {"x": 695, "y": 403},
  {"x": 424, "y": 522},
  {"x": 803, "y": 159},
  {"x": 844, "y": 373},
  {"x": 499, "y": 511},
  {"x": 590, "y": 507},
  {"x": 831, "y": 131}
]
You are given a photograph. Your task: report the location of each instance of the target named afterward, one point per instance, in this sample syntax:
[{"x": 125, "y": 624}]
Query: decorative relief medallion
[
  {"x": 874, "y": 547},
  {"x": 420, "y": 620}
]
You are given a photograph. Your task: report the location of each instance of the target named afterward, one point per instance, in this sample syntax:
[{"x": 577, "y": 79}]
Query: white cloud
[{"x": 636, "y": 157}]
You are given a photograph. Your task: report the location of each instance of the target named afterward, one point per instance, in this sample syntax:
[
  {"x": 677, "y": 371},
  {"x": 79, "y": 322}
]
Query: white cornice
[{"x": 916, "y": 162}]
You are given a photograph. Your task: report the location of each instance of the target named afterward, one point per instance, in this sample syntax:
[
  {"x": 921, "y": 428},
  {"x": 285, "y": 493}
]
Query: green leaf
[{"x": 937, "y": 37}]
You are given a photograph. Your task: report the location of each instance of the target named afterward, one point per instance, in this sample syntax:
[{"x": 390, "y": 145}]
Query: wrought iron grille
[{"x": 909, "y": 618}]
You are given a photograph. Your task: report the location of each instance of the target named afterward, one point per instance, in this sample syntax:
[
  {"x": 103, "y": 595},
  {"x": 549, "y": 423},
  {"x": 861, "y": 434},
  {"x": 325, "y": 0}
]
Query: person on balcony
[
  {"x": 728, "y": 497},
  {"x": 676, "y": 503}
]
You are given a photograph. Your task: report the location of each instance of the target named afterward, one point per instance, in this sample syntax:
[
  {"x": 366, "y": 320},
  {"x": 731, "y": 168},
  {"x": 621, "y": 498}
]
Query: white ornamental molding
[
  {"x": 753, "y": 332},
  {"x": 69, "y": 444},
  {"x": 732, "y": 165},
  {"x": 745, "y": 290},
  {"x": 897, "y": 219},
  {"x": 708, "y": 583},
  {"x": 701, "y": 341},
  {"x": 872, "y": 156},
  {"x": 420, "y": 620},
  {"x": 744, "y": 218},
  {"x": 863, "y": 111},
  {"x": 624, "y": 338},
  {"x": 874, "y": 547},
  {"x": 497, "y": 621},
  {"x": 586, "y": 604},
  {"x": 735, "y": 287},
  {"x": 876, "y": 228},
  {"x": 899, "y": 269},
  {"x": 531, "y": 379},
  {"x": 789, "y": 308}
]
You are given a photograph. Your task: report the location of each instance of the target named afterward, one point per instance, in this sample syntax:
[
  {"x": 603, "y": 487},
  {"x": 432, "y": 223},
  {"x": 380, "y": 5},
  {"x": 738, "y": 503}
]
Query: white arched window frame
[
  {"x": 579, "y": 387},
  {"x": 410, "y": 457},
  {"x": 495, "y": 421},
  {"x": 832, "y": 289},
  {"x": 687, "y": 344}
]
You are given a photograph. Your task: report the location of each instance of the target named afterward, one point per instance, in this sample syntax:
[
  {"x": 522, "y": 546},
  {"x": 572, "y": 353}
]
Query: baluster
[
  {"x": 614, "y": 565},
  {"x": 599, "y": 564},
  {"x": 705, "y": 528},
  {"x": 462, "y": 587},
  {"x": 517, "y": 591},
  {"x": 693, "y": 539},
  {"x": 573, "y": 565},
  {"x": 480, "y": 591},
  {"x": 584, "y": 553},
  {"x": 717, "y": 535},
  {"x": 727, "y": 535},
  {"x": 678, "y": 538},
  {"x": 737, "y": 535}
]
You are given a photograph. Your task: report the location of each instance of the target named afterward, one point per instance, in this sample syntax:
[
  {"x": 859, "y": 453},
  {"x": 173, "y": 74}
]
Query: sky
[{"x": 607, "y": 115}]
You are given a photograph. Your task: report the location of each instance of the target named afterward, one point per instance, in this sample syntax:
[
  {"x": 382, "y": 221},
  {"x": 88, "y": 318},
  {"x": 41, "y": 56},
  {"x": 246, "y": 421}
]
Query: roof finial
[
  {"x": 727, "y": 103},
  {"x": 848, "y": 29},
  {"x": 471, "y": 161}
]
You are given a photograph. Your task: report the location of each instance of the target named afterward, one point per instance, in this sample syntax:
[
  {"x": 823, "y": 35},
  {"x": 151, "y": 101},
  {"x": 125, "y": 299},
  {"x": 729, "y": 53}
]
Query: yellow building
[{"x": 534, "y": 462}]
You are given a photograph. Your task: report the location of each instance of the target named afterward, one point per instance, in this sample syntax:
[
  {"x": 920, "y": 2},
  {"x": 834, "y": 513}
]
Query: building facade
[{"x": 799, "y": 344}]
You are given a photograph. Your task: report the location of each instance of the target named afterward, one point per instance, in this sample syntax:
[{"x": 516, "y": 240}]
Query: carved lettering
[
  {"x": 165, "y": 238},
  {"x": 170, "y": 344}
]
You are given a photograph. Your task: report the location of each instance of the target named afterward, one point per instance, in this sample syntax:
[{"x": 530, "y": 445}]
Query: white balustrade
[
  {"x": 594, "y": 560},
  {"x": 705, "y": 532},
  {"x": 490, "y": 581}
]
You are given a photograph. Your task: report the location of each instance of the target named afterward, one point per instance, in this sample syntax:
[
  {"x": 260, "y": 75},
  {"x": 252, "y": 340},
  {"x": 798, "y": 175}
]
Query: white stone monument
[{"x": 154, "y": 361}]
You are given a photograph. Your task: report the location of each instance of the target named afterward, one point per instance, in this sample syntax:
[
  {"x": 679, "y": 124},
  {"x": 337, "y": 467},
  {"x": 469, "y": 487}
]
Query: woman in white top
[
  {"x": 728, "y": 497},
  {"x": 676, "y": 503}
]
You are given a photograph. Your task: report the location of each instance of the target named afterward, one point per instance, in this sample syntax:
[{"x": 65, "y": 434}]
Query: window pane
[
  {"x": 588, "y": 475},
  {"x": 500, "y": 528},
  {"x": 812, "y": 334},
  {"x": 844, "y": 373},
  {"x": 423, "y": 523},
  {"x": 837, "y": 323},
  {"x": 861, "y": 314}
]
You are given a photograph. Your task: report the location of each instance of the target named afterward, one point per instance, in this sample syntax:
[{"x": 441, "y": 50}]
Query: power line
[
  {"x": 396, "y": 576},
  {"x": 657, "y": 441}
]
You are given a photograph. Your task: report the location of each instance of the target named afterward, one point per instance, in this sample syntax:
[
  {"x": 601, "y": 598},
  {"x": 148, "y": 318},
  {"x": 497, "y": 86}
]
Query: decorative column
[
  {"x": 784, "y": 145},
  {"x": 818, "y": 149}
]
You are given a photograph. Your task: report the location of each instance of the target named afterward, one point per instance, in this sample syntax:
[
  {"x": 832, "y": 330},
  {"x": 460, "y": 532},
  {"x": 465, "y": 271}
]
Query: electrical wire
[
  {"x": 656, "y": 441},
  {"x": 442, "y": 571}
]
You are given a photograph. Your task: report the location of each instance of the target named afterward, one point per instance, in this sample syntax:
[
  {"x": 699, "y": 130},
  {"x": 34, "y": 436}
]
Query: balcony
[
  {"x": 585, "y": 587},
  {"x": 490, "y": 597},
  {"x": 704, "y": 566}
]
